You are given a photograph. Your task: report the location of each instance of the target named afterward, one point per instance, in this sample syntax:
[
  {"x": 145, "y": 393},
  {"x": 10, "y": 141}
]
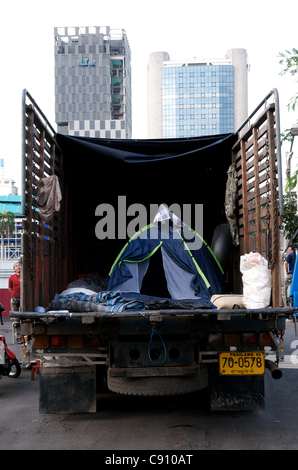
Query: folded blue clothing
[
  {"x": 106, "y": 301},
  {"x": 157, "y": 303}
]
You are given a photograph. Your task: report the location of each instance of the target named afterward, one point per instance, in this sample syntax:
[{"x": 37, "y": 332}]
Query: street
[{"x": 178, "y": 425}]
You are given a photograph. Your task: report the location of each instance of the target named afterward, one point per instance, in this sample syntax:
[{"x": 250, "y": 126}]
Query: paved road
[{"x": 180, "y": 425}]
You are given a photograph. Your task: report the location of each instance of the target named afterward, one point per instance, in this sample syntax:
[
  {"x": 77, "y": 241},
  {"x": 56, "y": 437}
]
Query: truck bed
[{"x": 220, "y": 313}]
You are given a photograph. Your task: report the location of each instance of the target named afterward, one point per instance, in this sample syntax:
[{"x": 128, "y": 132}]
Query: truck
[{"x": 166, "y": 347}]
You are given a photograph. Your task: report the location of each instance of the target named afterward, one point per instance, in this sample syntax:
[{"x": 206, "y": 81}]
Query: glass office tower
[
  {"x": 197, "y": 100},
  {"x": 193, "y": 98}
]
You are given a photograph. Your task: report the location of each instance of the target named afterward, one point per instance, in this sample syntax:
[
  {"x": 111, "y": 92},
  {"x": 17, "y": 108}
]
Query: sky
[{"x": 192, "y": 28}]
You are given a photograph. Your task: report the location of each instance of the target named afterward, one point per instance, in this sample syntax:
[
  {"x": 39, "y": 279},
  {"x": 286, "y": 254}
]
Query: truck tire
[
  {"x": 158, "y": 386},
  {"x": 222, "y": 244}
]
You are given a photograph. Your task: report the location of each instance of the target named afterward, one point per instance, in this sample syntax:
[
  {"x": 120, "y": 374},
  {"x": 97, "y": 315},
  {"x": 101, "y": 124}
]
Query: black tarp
[
  {"x": 163, "y": 171},
  {"x": 144, "y": 151}
]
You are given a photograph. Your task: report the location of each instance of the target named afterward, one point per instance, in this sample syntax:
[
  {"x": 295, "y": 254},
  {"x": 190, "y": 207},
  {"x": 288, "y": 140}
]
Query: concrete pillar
[
  {"x": 154, "y": 94},
  {"x": 239, "y": 61}
]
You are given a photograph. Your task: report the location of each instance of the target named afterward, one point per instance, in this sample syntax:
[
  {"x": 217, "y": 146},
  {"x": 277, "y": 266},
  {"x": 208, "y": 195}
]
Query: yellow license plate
[{"x": 242, "y": 363}]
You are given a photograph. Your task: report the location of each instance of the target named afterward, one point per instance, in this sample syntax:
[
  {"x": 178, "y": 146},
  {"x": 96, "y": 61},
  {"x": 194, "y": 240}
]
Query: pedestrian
[
  {"x": 14, "y": 287},
  {"x": 289, "y": 266}
]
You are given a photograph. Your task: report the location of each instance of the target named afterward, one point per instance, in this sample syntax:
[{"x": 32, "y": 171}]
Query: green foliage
[
  {"x": 291, "y": 182},
  {"x": 6, "y": 222},
  {"x": 289, "y": 62},
  {"x": 290, "y": 218},
  {"x": 286, "y": 136}
]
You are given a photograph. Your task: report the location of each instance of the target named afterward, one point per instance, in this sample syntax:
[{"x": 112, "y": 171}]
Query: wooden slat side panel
[
  {"x": 255, "y": 160},
  {"x": 257, "y": 192},
  {"x": 44, "y": 258},
  {"x": 274, "y": 238}
]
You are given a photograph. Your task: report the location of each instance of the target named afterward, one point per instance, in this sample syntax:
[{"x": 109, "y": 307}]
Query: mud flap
[
  {"x": 236, "y": 393},
  {"x": 67, "y": 390}
]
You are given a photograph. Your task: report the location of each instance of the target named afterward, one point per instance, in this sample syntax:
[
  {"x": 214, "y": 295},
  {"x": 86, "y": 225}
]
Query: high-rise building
[
  {"x": 197, "y": 97},
  {"x": 93, "y": 82}
]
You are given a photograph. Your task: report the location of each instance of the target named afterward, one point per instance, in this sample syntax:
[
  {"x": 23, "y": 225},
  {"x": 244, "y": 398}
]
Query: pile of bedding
[
  {"x": 90, "y": 301},
  {"x": 84, "y": 295}
]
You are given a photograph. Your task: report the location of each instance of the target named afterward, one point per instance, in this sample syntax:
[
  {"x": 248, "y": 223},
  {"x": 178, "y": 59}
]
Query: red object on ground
[{"x": 5, "y": 301}]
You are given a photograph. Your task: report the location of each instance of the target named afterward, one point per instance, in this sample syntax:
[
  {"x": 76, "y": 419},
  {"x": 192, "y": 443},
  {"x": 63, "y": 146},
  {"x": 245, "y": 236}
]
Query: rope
[{"x": 151, "y": 344}]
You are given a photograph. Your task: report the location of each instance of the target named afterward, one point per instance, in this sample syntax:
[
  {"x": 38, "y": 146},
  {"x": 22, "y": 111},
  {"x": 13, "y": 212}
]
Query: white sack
[{"x": 256, "y": 278}]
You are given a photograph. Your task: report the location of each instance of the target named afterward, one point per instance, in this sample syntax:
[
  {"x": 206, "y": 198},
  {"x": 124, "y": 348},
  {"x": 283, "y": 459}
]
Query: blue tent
[{"x": 191, "y": 269}]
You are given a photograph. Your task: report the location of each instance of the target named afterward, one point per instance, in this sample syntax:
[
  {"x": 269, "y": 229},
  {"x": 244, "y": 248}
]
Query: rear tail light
[
  {"x": 235, "y": 339},
  {"x": 92, "y": 342},
  {"x": 232, "y": 339},
  {"x": 215, "y": 339},
  {"x": 265, "y": 339},
  {"x": 249, "y": 338},
  {"x": 58, "y": 342},
  {"x": 41, "y": 342},
  {"x": 75, "y": 342}
]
